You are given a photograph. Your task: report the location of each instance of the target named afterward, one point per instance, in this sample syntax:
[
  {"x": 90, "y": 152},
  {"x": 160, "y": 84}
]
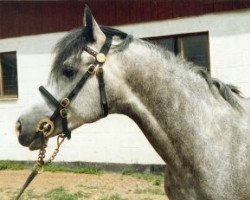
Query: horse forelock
[
  {"x": 68, "y": 46},
  {"x": 72, "y": 45}
]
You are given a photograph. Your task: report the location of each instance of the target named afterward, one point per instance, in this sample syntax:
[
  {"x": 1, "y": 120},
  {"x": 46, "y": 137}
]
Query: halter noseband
[{"x": 46, "y": 126}]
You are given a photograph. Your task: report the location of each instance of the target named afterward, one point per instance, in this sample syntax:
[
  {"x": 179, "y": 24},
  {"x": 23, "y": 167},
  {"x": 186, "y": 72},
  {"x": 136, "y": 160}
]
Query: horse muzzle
[{"x": 34, "y": 140}]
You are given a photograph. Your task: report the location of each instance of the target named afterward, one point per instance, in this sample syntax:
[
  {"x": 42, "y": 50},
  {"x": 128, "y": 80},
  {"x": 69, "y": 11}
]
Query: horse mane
[{"x": 227, "y": 91}]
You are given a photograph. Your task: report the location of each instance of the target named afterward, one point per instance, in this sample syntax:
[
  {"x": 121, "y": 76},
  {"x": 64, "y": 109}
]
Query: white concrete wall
[{"x": 117, "y": 139}]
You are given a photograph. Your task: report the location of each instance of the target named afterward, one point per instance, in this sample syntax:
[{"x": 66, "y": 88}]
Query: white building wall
[{"x": 117, "y": 139}]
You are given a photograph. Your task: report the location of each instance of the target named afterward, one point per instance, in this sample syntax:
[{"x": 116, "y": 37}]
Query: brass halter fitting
[
  {"x": 46, "y": 126},
  {"x": 64, "y": 112},
  {"x": 100, "y": 57},
  {"x": 91, "y": 69},
  {"x": 65, "y": 102}
]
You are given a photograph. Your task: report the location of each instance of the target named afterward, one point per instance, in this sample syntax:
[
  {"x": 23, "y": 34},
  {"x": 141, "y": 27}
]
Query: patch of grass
[
  {"x": 27, "y": 195},
  {"x": 62, "y": 194},
  {"x": 16, "y": 165},
  {"x": 92, "y": 188},
  {"x": 158, "y": 181},
  {"x": 11, "y": 165},
  {"x": 81, "y": 170},
  {"x": 128, "y": 171},
  {"x": 113, "y": 197},
  {"x": 154, "y": 191},
  {"x": 30, "y": 195},
  {"x": 155, "y": 178}
]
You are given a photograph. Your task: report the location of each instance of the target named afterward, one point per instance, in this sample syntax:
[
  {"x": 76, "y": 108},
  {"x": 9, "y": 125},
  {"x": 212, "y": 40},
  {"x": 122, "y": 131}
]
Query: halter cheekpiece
[{"x": 46, "y": 126}]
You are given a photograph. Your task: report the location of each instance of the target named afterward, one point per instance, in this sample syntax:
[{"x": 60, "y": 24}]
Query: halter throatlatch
[{"x": 46, "y": 126}]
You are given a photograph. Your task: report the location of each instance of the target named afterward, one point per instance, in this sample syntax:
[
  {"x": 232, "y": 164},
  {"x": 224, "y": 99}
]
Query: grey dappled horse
[{"x": 198, "y": 125}]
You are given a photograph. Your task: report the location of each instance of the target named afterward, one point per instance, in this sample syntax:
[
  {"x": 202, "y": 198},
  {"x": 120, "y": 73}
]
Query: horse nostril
[{"x": 18, "y": 127}]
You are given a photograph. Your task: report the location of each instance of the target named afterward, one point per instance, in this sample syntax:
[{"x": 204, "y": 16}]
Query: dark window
[
  {"x": 8, "y": 75},
  {"x": 193, "y": 47}
]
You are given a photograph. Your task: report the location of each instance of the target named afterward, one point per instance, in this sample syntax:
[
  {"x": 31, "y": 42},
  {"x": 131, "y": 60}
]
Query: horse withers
[{"x": 198, "y": 125}]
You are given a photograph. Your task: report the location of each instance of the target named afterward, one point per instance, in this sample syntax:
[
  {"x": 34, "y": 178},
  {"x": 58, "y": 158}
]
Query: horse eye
[{"x": 69, "y": 73}]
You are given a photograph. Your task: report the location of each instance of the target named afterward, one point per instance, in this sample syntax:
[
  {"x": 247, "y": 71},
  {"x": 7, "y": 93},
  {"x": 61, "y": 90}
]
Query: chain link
[{"x": 41, "y": 156}]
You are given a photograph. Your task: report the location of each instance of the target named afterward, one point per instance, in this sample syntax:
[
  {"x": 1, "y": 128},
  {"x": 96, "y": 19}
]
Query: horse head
[{"x": 76, "y": 55}]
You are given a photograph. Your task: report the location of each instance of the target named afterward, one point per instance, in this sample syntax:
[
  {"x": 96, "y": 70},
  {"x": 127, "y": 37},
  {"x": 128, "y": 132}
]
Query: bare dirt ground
[{"x": 70, "y": 186}]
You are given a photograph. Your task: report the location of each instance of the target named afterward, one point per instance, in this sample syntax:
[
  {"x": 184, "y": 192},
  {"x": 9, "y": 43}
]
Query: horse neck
[{"x": 172, "y": 105}]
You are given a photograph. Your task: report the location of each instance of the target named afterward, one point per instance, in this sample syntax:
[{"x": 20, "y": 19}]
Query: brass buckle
[
  {"x": 46, "y": 126},
  {"x": 91, "y": 69},
  {"x": 63, "y": 112},
  {"x": 64, "y": 102}
]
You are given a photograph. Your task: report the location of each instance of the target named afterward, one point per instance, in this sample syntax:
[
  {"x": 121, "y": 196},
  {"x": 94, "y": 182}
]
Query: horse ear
[{"x": 95, "y": 32}]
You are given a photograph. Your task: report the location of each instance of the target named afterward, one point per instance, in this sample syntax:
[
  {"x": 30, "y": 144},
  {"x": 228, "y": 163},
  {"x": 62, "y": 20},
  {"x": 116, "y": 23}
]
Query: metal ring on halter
[
  {"x": 63, "y": 113},
  {"x": 65, "y": 102},
  {"x": 46, "y": 126},
  {"x": 91, "y": 69}
]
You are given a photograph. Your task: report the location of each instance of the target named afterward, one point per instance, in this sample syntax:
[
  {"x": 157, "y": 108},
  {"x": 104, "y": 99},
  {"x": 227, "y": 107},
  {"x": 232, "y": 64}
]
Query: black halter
[{"x": 46, "y": 126}]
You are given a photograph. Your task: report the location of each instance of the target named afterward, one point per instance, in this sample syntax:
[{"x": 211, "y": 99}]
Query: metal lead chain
[
  {"x": 60, "y": 139},
  {"x": 38, "y": 166},
  {"x": 41, "y": 156}
]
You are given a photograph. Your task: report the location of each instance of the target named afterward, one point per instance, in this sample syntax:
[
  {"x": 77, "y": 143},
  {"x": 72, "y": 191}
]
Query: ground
[{"x": 74, "y": 186}]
